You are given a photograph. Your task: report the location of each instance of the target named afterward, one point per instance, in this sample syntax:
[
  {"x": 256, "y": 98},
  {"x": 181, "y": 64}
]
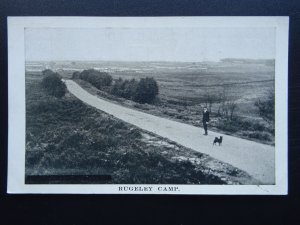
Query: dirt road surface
[{"x": 256, "y": 159}]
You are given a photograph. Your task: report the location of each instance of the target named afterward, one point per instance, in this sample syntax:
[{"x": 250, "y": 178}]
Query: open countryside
[{"x": 184, "y": 88}]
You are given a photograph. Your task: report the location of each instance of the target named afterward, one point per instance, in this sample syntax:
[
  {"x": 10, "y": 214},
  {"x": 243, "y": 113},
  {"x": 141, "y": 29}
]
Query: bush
[
  {"x": 146, "y": 90},
  {"x": 228, "y": 125},
  {"x": 76, "y": 75},
  {"x": 53, "y": 84},
  {"x": 124, "y": 88},
  {"x": 47, "y": 72},
  {"x": 240, "y": 124},
  {"x": 96, "y": 78},
  {"x": 266, "y": 108},
  {"x": 264, "y": 136}
]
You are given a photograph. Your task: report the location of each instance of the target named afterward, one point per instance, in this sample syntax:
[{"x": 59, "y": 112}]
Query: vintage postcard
[{"x": 148, "y": 105}]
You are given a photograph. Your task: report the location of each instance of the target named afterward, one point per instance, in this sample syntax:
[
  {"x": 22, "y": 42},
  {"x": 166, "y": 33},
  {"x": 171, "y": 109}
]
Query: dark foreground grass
[{"x": 66, "y": 137}]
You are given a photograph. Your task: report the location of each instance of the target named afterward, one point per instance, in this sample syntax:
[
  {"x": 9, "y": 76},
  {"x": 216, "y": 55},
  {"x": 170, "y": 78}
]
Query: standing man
[{"x": 205, "y": 119}]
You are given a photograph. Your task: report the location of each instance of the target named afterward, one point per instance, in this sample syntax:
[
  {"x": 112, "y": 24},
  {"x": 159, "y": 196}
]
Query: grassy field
[
  {"x": 183, "y": 87},
  {"x": 66, "y": 137}
]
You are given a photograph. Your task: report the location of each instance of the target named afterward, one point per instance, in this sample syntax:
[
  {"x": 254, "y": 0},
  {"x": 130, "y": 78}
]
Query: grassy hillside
[{"x": 66, "y": 137}]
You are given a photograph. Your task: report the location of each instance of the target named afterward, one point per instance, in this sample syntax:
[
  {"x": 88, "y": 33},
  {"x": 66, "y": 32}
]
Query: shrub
[
  {"x": 53, "y": 84},
  {"x": 76, "y": 75},
  {"x": 96, "y": 78},
  {"x": 266, "y": 108},
  {"x": 228, "y": 125},
  {"x": 47, "y": 72},
  {"x": 259, "y": 127},
  {"x": 146, "y": 90},
  {"x": 258, "y": 135},
  {"x": 124, "y": 88},
  {"x": 240, "y": 124}
]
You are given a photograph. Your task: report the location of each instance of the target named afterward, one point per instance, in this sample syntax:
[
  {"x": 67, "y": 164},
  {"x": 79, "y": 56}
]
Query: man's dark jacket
[{"x": 205, "y": 117}]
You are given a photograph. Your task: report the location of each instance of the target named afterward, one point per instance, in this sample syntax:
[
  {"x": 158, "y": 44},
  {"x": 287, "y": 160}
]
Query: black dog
[{"x": 218, "y": 140}]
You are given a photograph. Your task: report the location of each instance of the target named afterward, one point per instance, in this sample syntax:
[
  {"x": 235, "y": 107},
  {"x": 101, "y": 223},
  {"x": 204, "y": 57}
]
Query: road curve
[{"x": 256, "y": 159}]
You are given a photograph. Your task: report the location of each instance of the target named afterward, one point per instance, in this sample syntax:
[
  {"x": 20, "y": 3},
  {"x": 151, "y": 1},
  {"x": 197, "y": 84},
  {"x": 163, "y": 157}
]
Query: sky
[{"x": 149, "y": 44}]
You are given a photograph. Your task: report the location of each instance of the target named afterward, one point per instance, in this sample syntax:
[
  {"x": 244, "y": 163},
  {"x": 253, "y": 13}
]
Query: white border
[{"x": 16, "y": 103}]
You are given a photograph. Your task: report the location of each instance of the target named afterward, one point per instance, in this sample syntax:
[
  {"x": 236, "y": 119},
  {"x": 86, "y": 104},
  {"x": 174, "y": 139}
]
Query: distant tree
[
  {"x": 146, "y": 90},
  {"x": 232, "y": 106},
  {"x": 54, "y": 85},
  {"x": 76, "y": 75},
  {"x": 210, "y": 99},
  {"x": 266, "y": 108},
  {"x": 227, "y": 104},
  {"x": 222, "y": 100}
]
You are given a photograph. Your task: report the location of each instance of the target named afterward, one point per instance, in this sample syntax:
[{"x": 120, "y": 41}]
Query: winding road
[{"x": 258, "y": 160}]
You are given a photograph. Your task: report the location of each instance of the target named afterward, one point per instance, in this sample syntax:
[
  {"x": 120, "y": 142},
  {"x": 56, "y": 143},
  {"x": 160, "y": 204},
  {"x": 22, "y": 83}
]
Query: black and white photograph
[{"x": 166, "y": 105}]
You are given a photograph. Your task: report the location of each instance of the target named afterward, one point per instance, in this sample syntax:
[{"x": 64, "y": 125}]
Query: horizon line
[{"x": 99, "y": 60}]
